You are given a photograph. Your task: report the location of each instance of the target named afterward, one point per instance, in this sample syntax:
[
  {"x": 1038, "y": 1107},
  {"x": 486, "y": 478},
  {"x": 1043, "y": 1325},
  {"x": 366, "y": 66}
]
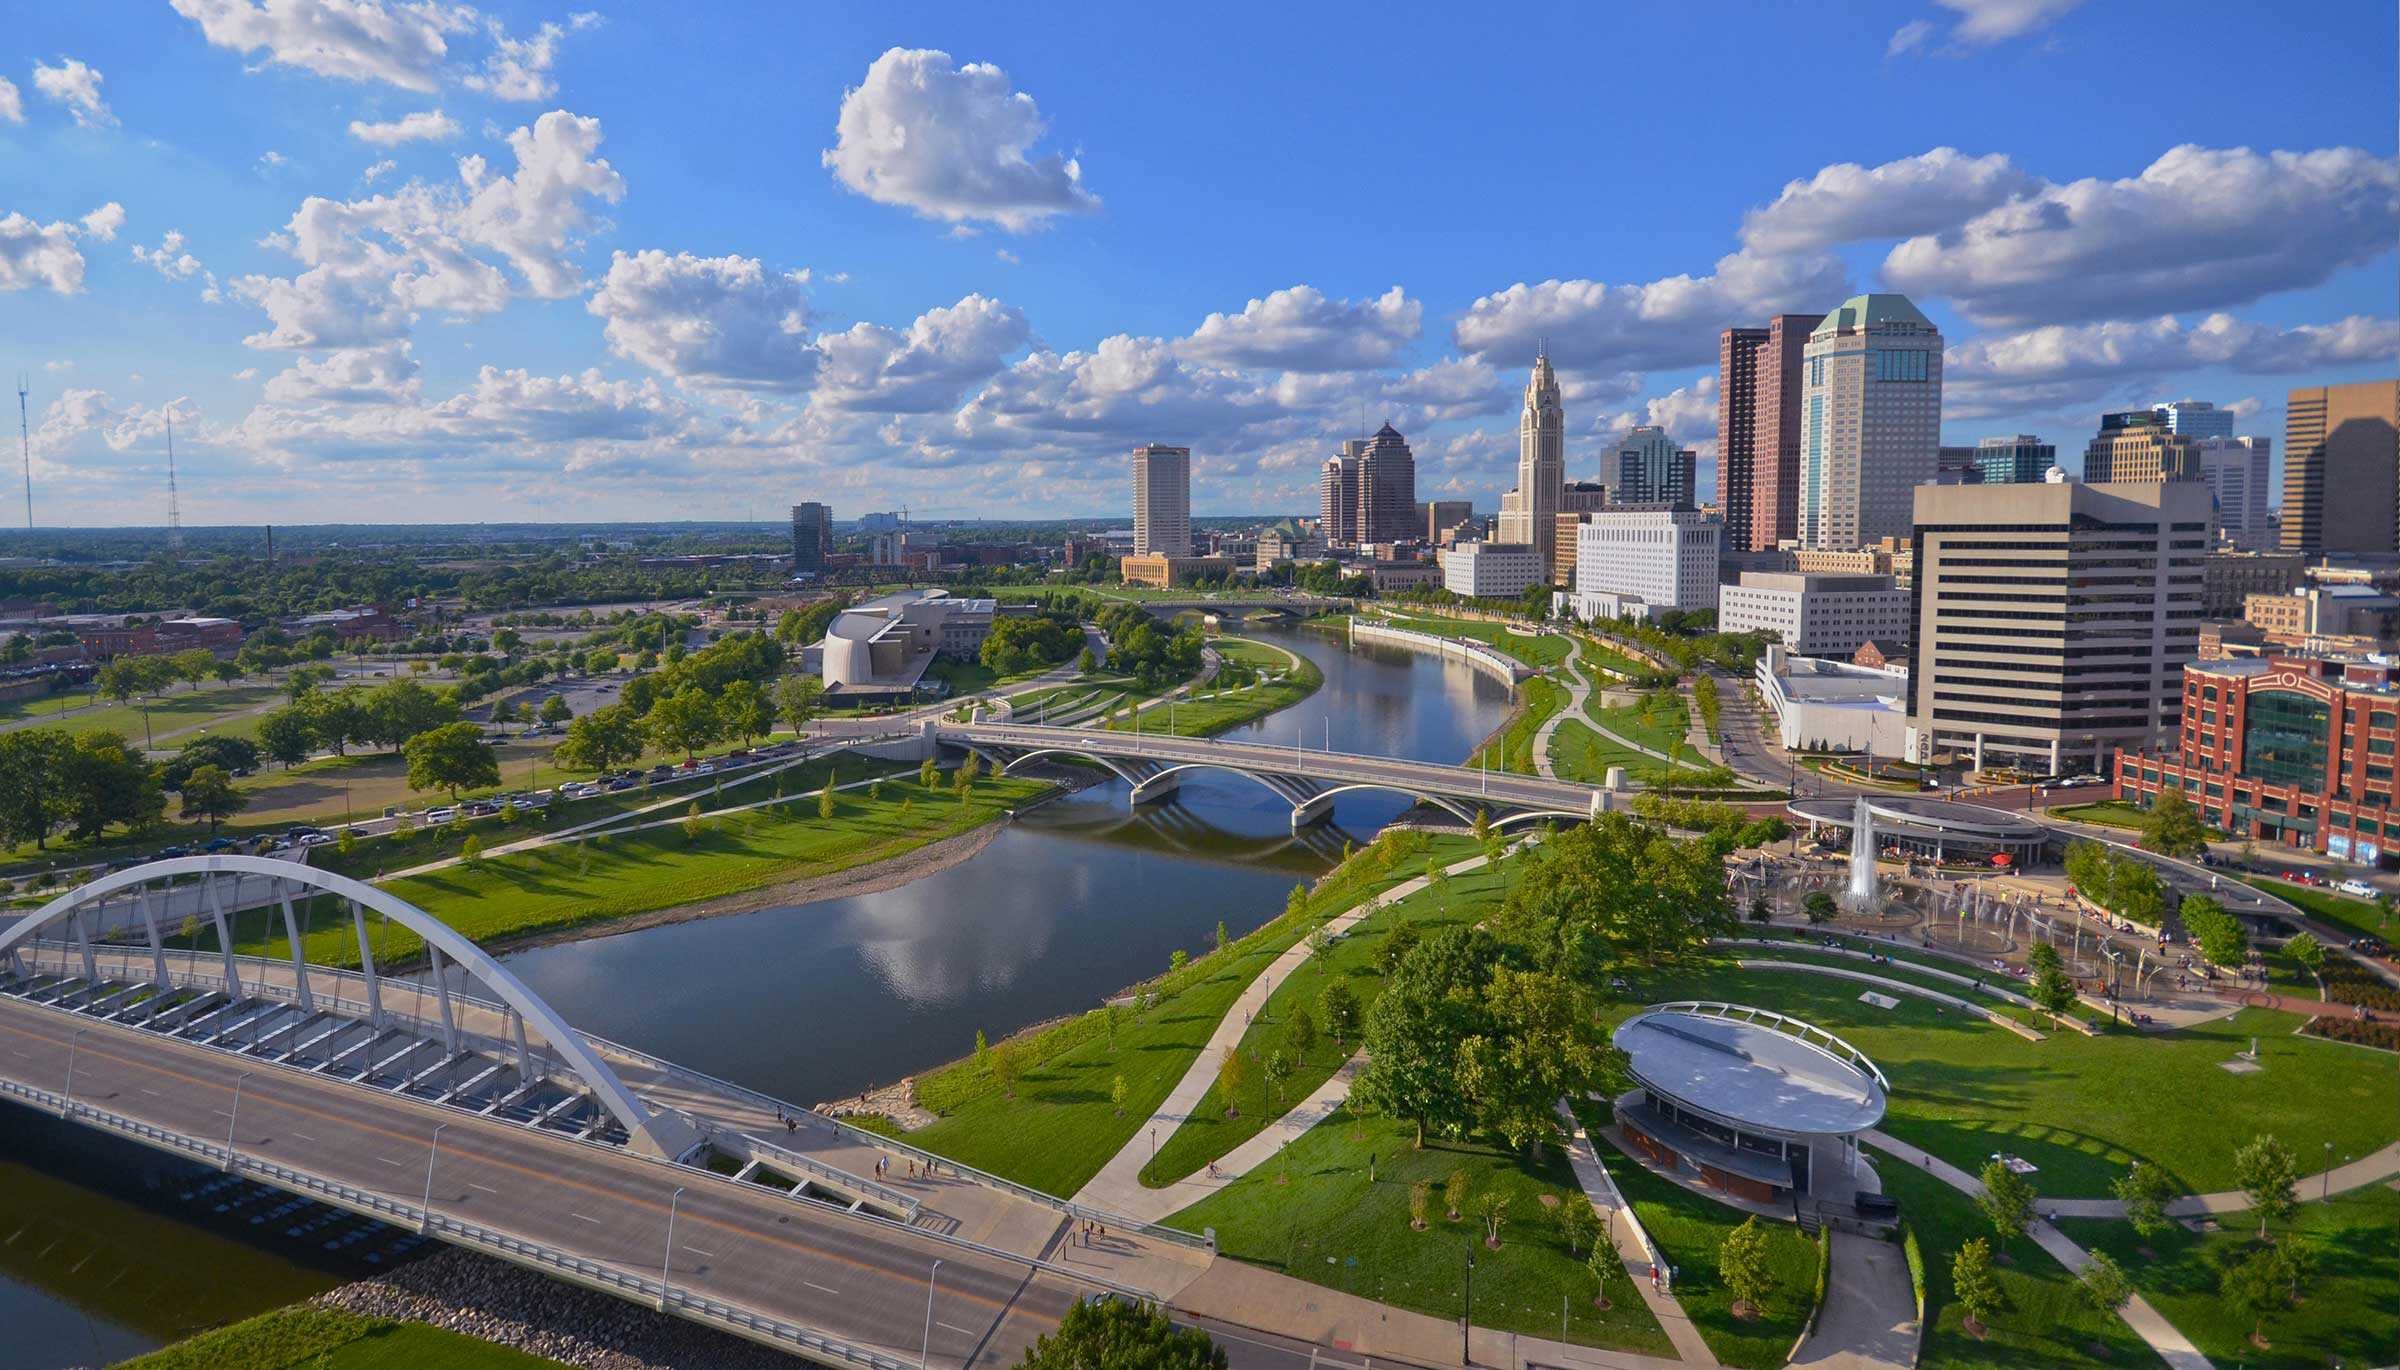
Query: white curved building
[{"x": 881, "y": 649}]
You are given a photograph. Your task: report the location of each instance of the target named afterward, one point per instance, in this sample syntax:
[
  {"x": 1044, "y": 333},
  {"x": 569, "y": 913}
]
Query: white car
[
  {"x": 315, "y": 839},
  {"x": 440, "y": 815},
  {"x": 2357, "y": 889}
]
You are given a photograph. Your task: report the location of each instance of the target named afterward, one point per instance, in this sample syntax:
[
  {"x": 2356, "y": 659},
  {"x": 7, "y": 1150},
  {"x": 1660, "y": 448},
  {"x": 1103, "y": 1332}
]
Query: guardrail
[
  {"x": 508, "y": 1246},
  {"x": 1482, "y": 657}
]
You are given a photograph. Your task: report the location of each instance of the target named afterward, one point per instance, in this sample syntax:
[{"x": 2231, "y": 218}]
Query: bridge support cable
[
  {"x": 216, "y": 911},
  {"x": 158, "y": 948},
  {"x": 291, "y": 933},
  {"x": 366, "y": 966}
]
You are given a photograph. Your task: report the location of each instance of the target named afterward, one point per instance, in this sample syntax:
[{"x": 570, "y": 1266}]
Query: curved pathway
[
  {"x": 1577, "y": 693},
  {"x": 1118, "y": 1186},
  {"x": 1896, "y": 987},
  {"x": 2172, "y": 1346},
  {"x": 1601, "y": 1192},
  {"x": 1869, "y": 1320}
]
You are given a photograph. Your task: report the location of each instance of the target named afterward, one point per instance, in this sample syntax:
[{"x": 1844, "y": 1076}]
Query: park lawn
[
  {"x": 1541, "y": 651},
  {"x": 1060, "y": 1127},
  {"x": 2349, "y": 1315},
  {"x": 575, "y": 884},
  {"x": 2108, "y": 813},
  {"x": 177, "y": 709},
  {"x": 331, "y": 1339},
  {"x": 1313, "y": 1213},
  {"x": 1688, "y": 1228},
  {"x": 1211, "y": 712},
  {"x": 1578, "y": 753},
  {"x": 2080, "y": 1108},
  {"x": 2361, "y": 917},
  {"x": 1610, "y": 659},
  {"x": 1208, "y": 1133},
  {"x": 2043, "y": 1322},
  {"x": 1658, "y": 721},
  {"x": 1512, "y": 750}
]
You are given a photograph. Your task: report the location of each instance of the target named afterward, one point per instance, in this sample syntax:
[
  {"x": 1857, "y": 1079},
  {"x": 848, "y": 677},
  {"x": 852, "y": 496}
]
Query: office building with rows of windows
[
  {"x": 2296, "y": 750},
  {"x": 1870, "y": 420}
]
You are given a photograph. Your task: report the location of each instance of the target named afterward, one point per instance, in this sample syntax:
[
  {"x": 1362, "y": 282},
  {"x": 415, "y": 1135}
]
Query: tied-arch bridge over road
[
  {"x": 1155, "y": 763},
  {"x": 475, "y": 1114}
]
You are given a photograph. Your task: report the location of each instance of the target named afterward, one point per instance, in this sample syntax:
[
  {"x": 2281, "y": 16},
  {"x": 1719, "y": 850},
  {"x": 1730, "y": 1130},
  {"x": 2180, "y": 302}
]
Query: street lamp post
[
  {"x": 2328, "y": 1193},
  {"x": 925, "y": 1356},
  {"x": 1466, "y": 1323},
  {"x": 233, "y": 1115},
  {"x": 667, "y": 1266},
  {"x": 72, "y": 1041},
  {"x": 435, "y": 1150}
]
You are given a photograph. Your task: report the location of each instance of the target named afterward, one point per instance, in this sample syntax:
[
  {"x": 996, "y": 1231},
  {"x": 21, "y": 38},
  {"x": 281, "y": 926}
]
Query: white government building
[
  {"x": 1490, "y": 570},
  {"x": 1834, "y": 706},
  {"x": 1641, "y": 562},
  {"x": 1816, "y": 615}
]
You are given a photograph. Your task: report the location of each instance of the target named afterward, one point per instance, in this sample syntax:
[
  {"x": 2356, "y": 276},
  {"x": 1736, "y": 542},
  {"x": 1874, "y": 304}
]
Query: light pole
[
  {"x": 2328, "y": 1192},
  {"x": 668, "y": 1265},
  {"x": 232, "y": 1115},
  {"x": 925, "y": 1356},
  {"x": 1154, "y": 1144},
  {"x": 1466, "y": 1324},
  {"x": 432, "y": 1152},
  {"x": 72, "y": 1042}
]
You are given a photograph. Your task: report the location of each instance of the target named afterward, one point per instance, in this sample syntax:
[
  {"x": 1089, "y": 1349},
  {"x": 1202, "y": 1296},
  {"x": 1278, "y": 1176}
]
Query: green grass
[
  {"x": 1540, "y": 651},
  {"x": 1610, "y": 659},
  {"x": 2109, "y": 813},
  {"x": 1314, "y": 1214},
  {"x": 330, "y": 1339},
  {"x": 1213, "y": 711},
  {"x": 1688, "y": 1228},
  {"x": 1060, "y": 1127},
  {"x": 1512, "y": 750},
  {"x": 2348, "y": 1316},
  {"x": 573, "y": 884},
  {"x": 2044, "y": 1322},
  {"x": 2360, "y": 916},
  {"x": 1208, "y": 1133},
  {"x": 1578, "y": 753},
  {"x": 1659, "y": 721},
  {"x": 2083, "y": 1108},
  {"x": 179, "y": 708}
]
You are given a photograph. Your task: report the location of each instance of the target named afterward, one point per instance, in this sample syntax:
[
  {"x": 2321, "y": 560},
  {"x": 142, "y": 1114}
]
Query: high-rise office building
[
  {"x": 2053, "y": 620},
  {"x": 2137, "y": 446},
  {"x": 2195, "y": 418},
  {"x": 1758, "y": 430},
  {"x": 2019, "y": 459},
  {"x": 1956, "y": 466},
  {"x": 1162, "y": 501},
  {"x": 1387, "y": 489},
  {"x": 1337, "y": 496},
  {"x": 1529, "y": 513},
  {"x": 2235, "y": 471},
  {"x": 1871, "y": 420},
  {"x": 812, "y": 538},
  {"x": 1441, "y": 516},
  {"x": 2341, "y": 467},
  {"x": 1648, "y": 467}
]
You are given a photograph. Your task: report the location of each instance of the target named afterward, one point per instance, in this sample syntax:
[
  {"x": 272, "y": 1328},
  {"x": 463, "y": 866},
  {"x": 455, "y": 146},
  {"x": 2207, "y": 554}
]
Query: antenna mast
[
  {"x": 174, "y": 503},
  {"x": 25, "y": 449}
]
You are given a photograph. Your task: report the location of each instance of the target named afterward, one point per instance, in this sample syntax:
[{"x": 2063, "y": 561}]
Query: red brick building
[{"x": 2296, "y": 750}]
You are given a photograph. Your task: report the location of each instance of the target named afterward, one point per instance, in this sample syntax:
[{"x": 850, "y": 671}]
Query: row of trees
[
  {"x": 687, "y": 720},
  {"x": 133, "y": 677},
  {"x": 84, "y": 784},
  {"x": 1140, "y": 646},
  {"x": 1024, "y": 642},
  {"x": 385, "y": 715}
]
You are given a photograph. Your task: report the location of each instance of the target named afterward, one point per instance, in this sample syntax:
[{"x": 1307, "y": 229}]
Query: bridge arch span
[
  {"x": 1461, "y": 812},
  {"x": 1110, "y": 764},
  {"x": 1539, "y": 815},
  {"x": 663, "y": 1133}
]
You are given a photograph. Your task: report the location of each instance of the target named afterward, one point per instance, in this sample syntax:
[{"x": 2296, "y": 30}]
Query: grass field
[
  {"x": 572, "y": 884},
  {"x": 1208, "y": 1133},
  {"x": 1578, "y": 753},
  {"x": 328, "y": 1339},
  {"x": 2082, "y": 1109},
  {"x": 1538, "y": 650},
  {"x": 2108, "y": 813},
  {"x": 1314, "y": 1213},
  {"x": 1212, "y": 711},
  {"x": 2349, "y": 1316},
  {"x": 1688, "y": 1229},
  {"x": 1658, "y": 721},
  {"x": 215, "y": 706},
  {"x": 2362, "y": 917},
  {"x": 1061, "y": 1127},
  {"x": 1512, "y": 750},
  {"x": 2044, "y": 1321}
]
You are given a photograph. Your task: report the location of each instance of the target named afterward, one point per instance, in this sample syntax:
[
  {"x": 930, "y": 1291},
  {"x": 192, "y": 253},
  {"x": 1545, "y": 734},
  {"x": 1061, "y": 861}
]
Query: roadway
[{"x": 852, "y": 1278}]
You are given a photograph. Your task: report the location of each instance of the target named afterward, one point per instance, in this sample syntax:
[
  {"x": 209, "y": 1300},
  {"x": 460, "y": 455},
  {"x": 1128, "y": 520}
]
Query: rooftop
[
  {"x": 1868, "y": 311},
  {"x": 1753, "y": 1068}
]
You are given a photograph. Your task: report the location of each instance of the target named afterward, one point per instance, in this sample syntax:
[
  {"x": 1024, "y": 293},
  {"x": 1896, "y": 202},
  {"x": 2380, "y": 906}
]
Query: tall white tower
[
  {"x": 1162, "y": 500},
  {"x": 1529, "y": 513}
]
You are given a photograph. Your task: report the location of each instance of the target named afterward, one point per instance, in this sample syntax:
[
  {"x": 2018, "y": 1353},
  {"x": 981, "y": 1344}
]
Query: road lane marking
[
  {"x": 389, "y": 1161},
  {"x": 152, "y": 1092},
  {"x": 814, "y": 1285},
  {"x": 484, "y": 1187},
  {"x": 304, "y": 1136},
  {"x": 956, "y": 1328},
  {"x": 698, "y": 1252},
  {"x": 573, "y": 1214}
]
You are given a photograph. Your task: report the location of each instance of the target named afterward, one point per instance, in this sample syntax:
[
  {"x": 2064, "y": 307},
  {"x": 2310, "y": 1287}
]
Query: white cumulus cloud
[
  {"x": 922, "y": 368},
  {"x": 952, "y": 143},
  {"x": 713, "y": 321},
  {"x": 1673, "y": 321},
  {"x": 1846, "y": 202},
  {"x": 77, "y": 86},
  {"x": 2083, "y": 365},
  {"x": 1300, "y": 329},
  {"x": 425, "y": 125},
  {"x": 349, "y": 40},
  {"x": 12, "y": 105}
]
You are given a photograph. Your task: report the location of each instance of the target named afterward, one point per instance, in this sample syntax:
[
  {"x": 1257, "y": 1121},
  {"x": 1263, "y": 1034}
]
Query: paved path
[
  {"x": 1118, "y": 1186},
  {"x": 1634, "y": 1243},
  {"x": 2172, "y": 1346},
  {"x": 1870, "y": 1315},
  {"x": 1896, "y": 987},
  {"x": 2375, "y": 1167},
  {"x": 1577, "y": 693}
]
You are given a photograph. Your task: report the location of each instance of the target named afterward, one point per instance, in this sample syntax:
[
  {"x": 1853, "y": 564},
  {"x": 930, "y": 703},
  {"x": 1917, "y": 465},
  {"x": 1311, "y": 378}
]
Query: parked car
[
  {"x": 620, "y": 783},
  {"x": 480, "y": 808},
  {"x": 316, "y": 839},
  {"x": 216, "y": 844},
  {"x": 440, "y": 815},
  {"x": 2356, "y": 889}
]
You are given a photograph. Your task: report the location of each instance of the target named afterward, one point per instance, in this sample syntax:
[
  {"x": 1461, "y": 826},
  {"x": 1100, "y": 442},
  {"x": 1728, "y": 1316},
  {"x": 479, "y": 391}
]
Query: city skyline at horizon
[{"x": 424, "y": 272}]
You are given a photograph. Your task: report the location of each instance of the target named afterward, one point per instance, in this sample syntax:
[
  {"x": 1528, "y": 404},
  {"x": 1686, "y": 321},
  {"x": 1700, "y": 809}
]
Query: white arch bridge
[{"x": 1155, "y": 763}]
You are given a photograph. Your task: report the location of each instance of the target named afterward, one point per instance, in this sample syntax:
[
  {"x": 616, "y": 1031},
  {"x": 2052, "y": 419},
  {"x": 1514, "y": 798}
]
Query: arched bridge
[
  {"x": 1154, "y": 763},
  {"x": 1283, "y": 606}
]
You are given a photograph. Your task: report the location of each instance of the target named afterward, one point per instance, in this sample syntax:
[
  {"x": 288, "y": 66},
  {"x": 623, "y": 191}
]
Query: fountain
[{"x": 1862, "y": 895}]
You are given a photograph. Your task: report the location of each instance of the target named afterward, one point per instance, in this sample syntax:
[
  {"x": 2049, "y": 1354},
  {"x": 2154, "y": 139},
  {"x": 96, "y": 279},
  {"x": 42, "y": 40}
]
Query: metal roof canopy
[{"x": 1754, "y": 1068}]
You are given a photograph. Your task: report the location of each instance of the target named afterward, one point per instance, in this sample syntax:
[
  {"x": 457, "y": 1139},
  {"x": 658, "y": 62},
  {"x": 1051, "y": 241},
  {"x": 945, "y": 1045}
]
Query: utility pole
[
  {"x": 25, "y": 448},
  {"x": 174, "y": 504}
]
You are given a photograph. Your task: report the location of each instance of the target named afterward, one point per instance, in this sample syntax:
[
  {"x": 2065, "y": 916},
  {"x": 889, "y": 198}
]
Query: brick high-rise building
[
  {"x": 1337, "y": 497},
  {"x": 2341, "y": 467},
  {"x": 1758, "y": 430},
  {"x": 2137, "y": 445}
]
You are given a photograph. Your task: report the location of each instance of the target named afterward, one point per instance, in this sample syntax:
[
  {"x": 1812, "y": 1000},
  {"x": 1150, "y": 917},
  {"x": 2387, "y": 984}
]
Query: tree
[
  {"x": 743, "y": 711},
  {"x": 825, "y": 796},
  {"x": 1300, "y": 1031},
  {"x": 227, "y": 754},
  {"x": 555, "y": 710},
  {"x": 2173, "y": 828},
  {"x": 1113, "y": 1334},
  {"x": 1273, "y": 1072},
  {"x": 1337, "y": 1005},
  {"x": 692, "y": 824},
  {"x": 684, "y": 721},
  {"x": 209, "y": 793},
  {"x": 1420, "y": 1203},
  {"x": 1005, "y": 1068},
  {"x": 400, "y": 710},
  {"x": 2052, "y": 987},
  {"x": 1818, "y": 906},
  {"x": 1607, "y": 1265},
  {"x": 2103, "y": 1284},
  {"x": 2254, "y": 1285},
  {"x": 287, "y": 736},
  {"x": 2218, "y": 934},
  {"x": 1233, "y": 1071},
  {"x": 2145, "y": 1191},
  {"x": 104, "y": 781},
  {"x": 1454, "y": 1193},
  {"x": 2089, "y": 869},
  {"x": 2267, "y": 1172},
  {"x": 602, "y": 740},
  {"x": 1617, "y": 890},
  {"x": 1397, "y": 944},
  {"x": 1742, "y": 1265},
  {"x": 451, "y": 757},
  {"x": 1760, "y": 910},
  {"x": 1972, "y": 1284},
  {"x": 2306, "y": 952},
  {"x": 1578, "y": 1224},
  {"x": 2007, "y": 1200},
  {"x": 1416, "y": 1033},
  {"x": 1116, "y": 1095},
  {"x": 32, "y": 802},
  {"x": 1537, "y": 1040},
  {"x": 927, "y": 773},
  {"x": 1494, "y": 1208},
  {"x": 470, "y": 852}
]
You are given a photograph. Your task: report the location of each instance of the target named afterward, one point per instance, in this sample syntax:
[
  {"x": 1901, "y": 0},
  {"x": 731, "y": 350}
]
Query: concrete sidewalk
[
  {"x": 1869, "y": 1321},
  {"x": 1601, "y": 1192}
]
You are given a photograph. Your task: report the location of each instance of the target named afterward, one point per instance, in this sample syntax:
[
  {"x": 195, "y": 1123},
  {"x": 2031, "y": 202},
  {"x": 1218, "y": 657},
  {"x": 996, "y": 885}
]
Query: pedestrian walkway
[
  {"x": 1118, "y": 1186},
  {"x": 2376, "y": 1167},
  {"x": 1869, "y": 1321},
  {"x": 1577, "y": 693},
  {"x": 2172, "y": 1346},
  {"x": 1632, "y": 1242}
]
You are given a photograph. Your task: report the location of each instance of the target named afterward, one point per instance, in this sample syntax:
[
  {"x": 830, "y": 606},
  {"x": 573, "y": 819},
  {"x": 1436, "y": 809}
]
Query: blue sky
[{"x": 433, "y": 262}]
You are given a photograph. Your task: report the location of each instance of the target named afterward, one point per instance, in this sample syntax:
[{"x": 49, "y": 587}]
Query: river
[{"x": 1072, "y": 899}]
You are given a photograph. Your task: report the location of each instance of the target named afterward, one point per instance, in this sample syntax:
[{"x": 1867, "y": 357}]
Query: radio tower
[
  {"x": 25, "y": 450},
  {"x": 174, "y": 504}
]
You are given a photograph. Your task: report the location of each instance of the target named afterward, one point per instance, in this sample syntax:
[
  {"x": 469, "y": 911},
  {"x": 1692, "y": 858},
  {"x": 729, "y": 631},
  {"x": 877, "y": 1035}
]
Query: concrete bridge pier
[
  {"x": 1153, "y": 789},
  {"x": 1310, "y": 811}
]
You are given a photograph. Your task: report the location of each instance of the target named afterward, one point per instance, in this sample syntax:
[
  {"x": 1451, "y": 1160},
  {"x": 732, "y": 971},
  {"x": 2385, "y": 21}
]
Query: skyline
[{"x": 512, "y": 270}]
